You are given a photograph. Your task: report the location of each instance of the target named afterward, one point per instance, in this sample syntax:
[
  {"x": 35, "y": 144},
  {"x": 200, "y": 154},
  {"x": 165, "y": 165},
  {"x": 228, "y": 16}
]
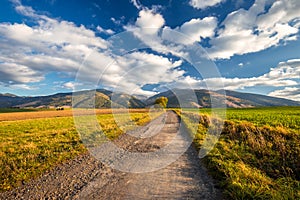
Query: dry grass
[
  {"x": 251, "y": 161},
  {"x": 30, "y": 147},
  {"x": 61, "y": 113}
]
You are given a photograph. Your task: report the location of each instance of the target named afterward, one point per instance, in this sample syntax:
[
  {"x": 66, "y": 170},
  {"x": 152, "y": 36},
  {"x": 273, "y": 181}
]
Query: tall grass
[
  {"x": 30, "y": 147},
  {"x": 253, "y": 161}
]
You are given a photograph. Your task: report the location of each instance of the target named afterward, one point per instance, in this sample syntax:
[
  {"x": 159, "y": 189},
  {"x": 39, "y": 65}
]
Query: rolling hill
[
  {"x": 106, "y": 99},
  {"x": 103, "y": 99},
  {"x": 233, "y": 99}
]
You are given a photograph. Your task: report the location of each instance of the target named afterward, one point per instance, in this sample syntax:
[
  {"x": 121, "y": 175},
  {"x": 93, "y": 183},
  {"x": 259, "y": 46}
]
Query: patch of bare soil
[{"x": 86, "y": 178}]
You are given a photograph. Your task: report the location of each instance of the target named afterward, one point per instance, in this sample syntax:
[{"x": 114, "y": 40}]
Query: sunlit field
[
  {"x": 29, "y": 147},
  {"x": 256, "y": 157},
  {"x": 258, "y": 153},
  {"x": 9, "y": 114}
]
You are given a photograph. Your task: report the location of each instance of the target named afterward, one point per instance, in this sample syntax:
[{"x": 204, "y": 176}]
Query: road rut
[{"x": 185, "y": 178}]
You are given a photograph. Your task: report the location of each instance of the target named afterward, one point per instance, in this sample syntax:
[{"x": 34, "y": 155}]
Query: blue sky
[{"x": 144, "y": 47}]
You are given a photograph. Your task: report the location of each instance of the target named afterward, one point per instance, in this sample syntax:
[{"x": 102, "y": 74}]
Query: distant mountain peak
[{"x": 106, "y": 99}]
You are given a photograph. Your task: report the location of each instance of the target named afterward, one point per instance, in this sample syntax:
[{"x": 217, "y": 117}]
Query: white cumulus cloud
[
  {"x": 196, "y": 29},
  {"x": 285, "y": 74},
  {"x": 202, "y": 4},
  {"x": 288, "y": 92},
  {"x": 149, "y": 21},
  {"x": 28, "y": 53},
  {"x": 256, "y": 29}
]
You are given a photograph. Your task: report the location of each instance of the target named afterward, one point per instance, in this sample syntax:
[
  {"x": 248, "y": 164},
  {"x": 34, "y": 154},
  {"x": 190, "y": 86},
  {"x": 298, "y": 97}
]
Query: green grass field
[
  {"x": 287, "y": 117},
  {"x": 258, "y": 153},
  {"x": 30, "y": 147}
]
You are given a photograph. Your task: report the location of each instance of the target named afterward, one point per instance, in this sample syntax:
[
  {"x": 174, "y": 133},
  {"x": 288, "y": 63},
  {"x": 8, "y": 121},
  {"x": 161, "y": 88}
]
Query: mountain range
[{"x": 106, "y": 99}]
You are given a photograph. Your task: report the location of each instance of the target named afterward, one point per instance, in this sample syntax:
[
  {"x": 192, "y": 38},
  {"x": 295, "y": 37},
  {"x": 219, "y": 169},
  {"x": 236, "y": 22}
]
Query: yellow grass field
[
  {"x": 33, "y": 142},
  {"x": 60, "y": 113}
]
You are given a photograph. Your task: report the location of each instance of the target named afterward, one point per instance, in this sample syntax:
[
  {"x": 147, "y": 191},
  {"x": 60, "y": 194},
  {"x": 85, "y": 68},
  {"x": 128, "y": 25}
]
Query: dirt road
[{"x": 86, "y": 178}]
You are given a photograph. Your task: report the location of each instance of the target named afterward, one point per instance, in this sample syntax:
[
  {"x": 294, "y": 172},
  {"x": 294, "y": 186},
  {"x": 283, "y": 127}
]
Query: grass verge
[{"x": 251, "y": 161}]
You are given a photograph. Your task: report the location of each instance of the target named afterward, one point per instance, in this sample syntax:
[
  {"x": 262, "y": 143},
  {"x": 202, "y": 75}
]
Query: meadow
[
  {"x": 258, "y": 153},
  {"x": 29, "y": 147},
  {"x": 256, "y": 157}
]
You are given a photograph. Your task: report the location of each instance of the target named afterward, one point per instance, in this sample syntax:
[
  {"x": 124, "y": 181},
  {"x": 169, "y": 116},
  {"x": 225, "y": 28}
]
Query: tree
[{"x": 162, "y": 101}]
